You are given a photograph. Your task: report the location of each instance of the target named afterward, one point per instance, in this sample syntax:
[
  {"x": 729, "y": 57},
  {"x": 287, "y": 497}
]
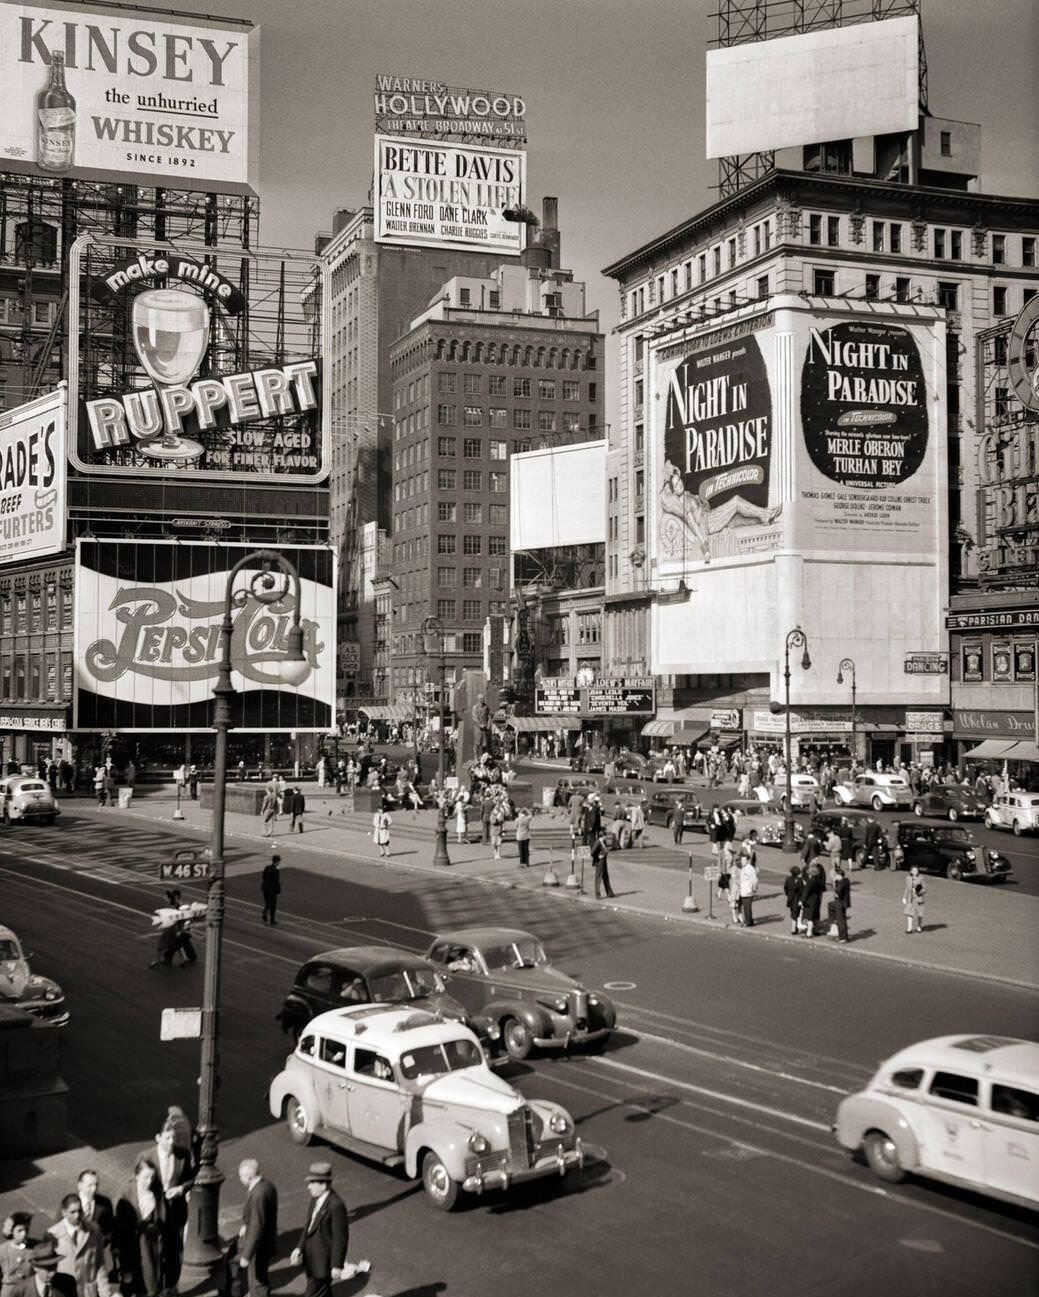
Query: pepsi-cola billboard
[{"x": 147, "y": 646}]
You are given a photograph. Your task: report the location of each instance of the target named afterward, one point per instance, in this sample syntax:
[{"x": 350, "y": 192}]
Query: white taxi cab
[
  {"x": 964, "y": 1109},
  {"x": 1018, "y": 812}
]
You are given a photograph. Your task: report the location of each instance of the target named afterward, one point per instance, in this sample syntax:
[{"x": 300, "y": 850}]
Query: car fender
[
  {"x": 294, "y": 1010},
  {"x": 299, "y": 1085},
  {"x": 859, "y": 1114},
  {"x": 446, "y": 1138},
  {"x": 536, "y": 1018}
]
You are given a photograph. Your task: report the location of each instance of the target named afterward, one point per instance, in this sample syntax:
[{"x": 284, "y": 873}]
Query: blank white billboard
[
  {"x": 834, "y": 84},
  {"x": 558, "y": 496}
]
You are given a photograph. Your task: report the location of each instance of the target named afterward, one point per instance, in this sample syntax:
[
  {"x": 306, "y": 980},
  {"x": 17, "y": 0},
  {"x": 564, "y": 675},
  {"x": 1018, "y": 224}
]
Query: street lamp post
[
  {"x": 795, "y": 638},
  {"x": 847, "y": 665},
  {"x": 433, "y": 626},
  {"x": 272, "y": 583}
]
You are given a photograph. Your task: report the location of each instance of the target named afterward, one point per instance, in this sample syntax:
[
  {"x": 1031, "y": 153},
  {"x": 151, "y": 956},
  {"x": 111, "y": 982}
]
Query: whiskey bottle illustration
[{"x": 55, "y": 120}]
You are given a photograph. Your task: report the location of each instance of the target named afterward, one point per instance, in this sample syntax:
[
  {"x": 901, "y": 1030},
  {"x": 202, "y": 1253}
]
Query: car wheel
[
  {"x": 1017, "y": 828},
  {"x": 441, "y": 1190},
  {"x": 989, "y": 823},
  {"x": 517, "y": 1039},
  {"x": 877, "y": 804},
  {"x": 669, "y": 822},
  {"x": 954, "y": 871},
  {"x": 859, "y": 858},
  {"x": 882, "y": 1156},
  {"x": 918, "y": 808},
  {"x": 300, "y": 1131},
  {"x": 624, "y": 839},
  {"x": 954, "y": 814},
  {"x": 7, "y": 819}
]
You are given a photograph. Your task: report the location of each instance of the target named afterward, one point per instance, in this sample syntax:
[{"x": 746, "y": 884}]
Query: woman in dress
[
  {"x": 381, "y": 822},
  {"x": 497, "y": 827},
  {"x": 461, "y": 818},
  {"x": 140, "y": 1231},
  {"x": 913, "y": 901},
  {"x": 16, "y": 1253}
]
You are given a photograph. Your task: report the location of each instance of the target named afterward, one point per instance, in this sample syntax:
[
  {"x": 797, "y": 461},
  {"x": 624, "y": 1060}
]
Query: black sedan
[
  {"x": 363, "y": 975},
  {"x": 662, "y": 808},
  {"x": 951, "y": 801},
  {"x": 951, "y": 853}
]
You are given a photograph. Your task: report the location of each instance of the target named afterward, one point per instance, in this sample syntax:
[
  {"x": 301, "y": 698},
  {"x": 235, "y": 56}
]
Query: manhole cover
[{"x": 619, "y": 986}]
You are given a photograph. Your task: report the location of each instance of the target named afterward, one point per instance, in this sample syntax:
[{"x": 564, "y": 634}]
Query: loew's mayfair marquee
[
  {"x": 32, "y": 478},
  {"x": 148, "y": 644},
  {"x": 108, "y": 92},
  {"x": 206, "y": 384}
]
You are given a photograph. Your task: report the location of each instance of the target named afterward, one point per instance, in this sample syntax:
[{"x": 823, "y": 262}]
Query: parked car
[
  {"x": 805, "y": 791},
  {"x": 363, "y": 975},
  {"x": 878, "y": 790},
  {"x": 953, "y": 801},
  {"x": 845, "y": 821},
  {"x": 951, "y": 852},
  {"x": 504, "y": 981},
  {"x": 660, "y": 809},
  {"x": 1018, "y": 812},
  {"x": 25, "y": 798},
  {"x": 23, "y": 989},
  {"x": 401, "y": 1087},
  {"x": 770, "y": 823},
  {"x": 963, "y": 1109},
  {"x": 565, "y": 788}
]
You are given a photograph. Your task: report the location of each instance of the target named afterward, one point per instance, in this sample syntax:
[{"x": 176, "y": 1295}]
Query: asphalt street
[{"x": 707, "y": 1119}]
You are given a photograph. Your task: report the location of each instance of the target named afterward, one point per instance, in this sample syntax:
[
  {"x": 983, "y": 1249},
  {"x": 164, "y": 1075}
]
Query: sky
[{"x": 615, "y": 103}]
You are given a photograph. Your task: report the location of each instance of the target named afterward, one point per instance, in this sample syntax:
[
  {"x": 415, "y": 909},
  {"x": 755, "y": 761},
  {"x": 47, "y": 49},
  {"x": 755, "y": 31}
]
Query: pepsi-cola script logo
[{"x": 174, "y": 637}]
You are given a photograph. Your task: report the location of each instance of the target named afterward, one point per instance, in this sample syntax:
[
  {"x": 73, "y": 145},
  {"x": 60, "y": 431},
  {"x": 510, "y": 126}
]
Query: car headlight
[
  {"x": 993, "y": 856},
  {"x": 559, "y": 1123},
  {"x": 970, "y": 855},
  {"x": 594, "y": 999},
  {"x": 479, "y": 1144}
]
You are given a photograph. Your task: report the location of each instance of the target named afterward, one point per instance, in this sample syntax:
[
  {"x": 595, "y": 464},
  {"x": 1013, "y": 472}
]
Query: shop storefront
[
  {"x": 29, "y": 734},
  {"x": 998, "y": 741}
]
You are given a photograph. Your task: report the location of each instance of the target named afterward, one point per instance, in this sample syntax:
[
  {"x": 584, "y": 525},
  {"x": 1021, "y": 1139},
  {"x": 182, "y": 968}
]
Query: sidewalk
[{"x": 972, "y": 929}]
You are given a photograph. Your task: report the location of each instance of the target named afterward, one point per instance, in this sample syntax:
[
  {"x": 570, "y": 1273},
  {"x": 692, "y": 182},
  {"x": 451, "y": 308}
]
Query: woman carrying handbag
[{"x": 913, "y": 901}]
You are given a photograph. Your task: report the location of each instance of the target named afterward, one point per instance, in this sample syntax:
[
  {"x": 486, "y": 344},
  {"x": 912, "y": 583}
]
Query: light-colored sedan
[
  {"x": 805, "y": 791},
  {"x": 752, "y": 814},
  {"x": 27, "y": 798},
  {"x": 879, "y": 791},
  {"x": 1017, "y": 812}
]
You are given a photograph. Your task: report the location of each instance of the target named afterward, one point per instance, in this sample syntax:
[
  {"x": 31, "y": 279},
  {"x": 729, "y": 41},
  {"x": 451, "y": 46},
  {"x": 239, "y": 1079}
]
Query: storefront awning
[
  {"x": 658, "y": 729},
  {"x": 389, "y": 712},
  {"x": 543, "y": 724},
  {"x": 687, "y": 736},
  {"x": 1023, "y": 751},
  {"x": 694, "y": 720},
  {"x": 992, "y": 750}
]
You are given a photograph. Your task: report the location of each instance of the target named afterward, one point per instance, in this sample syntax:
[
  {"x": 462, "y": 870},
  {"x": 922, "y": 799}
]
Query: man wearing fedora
[
  {"x": 322, "y": 1246},
  {"x": 45, "y": 1280}
]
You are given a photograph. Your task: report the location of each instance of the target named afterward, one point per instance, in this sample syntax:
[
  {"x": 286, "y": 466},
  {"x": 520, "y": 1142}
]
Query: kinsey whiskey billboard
[
  {"x": 110, "y": 92},
  {"x": 147, "y": 641},
  {"x": 206, "y": 381}
]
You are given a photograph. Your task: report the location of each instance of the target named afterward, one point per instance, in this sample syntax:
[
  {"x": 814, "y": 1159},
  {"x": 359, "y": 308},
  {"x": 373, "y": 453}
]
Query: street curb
[{"x": 701, "y": 924}]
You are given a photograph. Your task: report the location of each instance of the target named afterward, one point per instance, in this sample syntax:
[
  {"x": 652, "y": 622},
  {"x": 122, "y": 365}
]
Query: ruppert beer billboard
[
  {"x": 204, "y": 384},
  {"x": 419, "y": 106},
  {"x": 32, "y": 478},
  {"x": 448, "y": 195},
  {"x": 105, "y": 92},
  {"x": 147, "y": 641},
  {"x": 795, "y": 471}
]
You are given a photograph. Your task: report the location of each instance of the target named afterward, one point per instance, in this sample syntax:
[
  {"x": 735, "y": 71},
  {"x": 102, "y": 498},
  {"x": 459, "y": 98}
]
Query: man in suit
[
  {"x": 270, "y": 889},
  {"x": 321, "y": 1249},
  {"x": 176, "y": 1174},
  {"x": 258, "y": 1236},
  {"x": 81, "y": 1250},
  {"x": 45, "y": 1278},
  {"x": 97, "y": 1208}
]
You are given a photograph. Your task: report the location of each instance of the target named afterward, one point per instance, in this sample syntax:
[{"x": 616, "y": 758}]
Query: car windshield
[
  {"x": 8, "y": 949},
  {"x": 524, "y": 953},
  {"x": 962, "y": 837},
  {"x": 407, "y": 984},
  {"x": 750, "y": 808},
  {"x": 437, "y": 1060}
]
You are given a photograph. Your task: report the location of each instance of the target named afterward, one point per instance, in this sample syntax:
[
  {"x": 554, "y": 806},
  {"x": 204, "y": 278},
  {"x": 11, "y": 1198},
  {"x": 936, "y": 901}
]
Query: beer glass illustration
[{"x": 171, "y": 333}]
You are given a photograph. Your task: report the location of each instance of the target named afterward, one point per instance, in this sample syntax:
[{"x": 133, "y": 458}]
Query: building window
[
  {"x": 833, "y": 231},
  {"x": 872, "y": 287},
  {"x": 999, "y": 249},
  {"x": 547, "y": 389},
  {"x": 823, "y": 283},
  {"x": 472, "y": 448},
  {"x": 447, "y": 576},
  {"x": 948, "y": 296},
  {"x": 471, "y": 384},
  {"x": 445, "y": 415},
  {"x": 763, "y": 285},
  {"x": 472, "y": 416},
  {"x": 493, "y": 299},
  {"x": 447, "y": 479},
  {"x": 688, "y": 275},
  {"x": 498, "y": 418},
  {"x": 498, "y": 515},
  {"x": 815, "y": 228},
  {"x": 472, "y": 578},
  {"x": 956, "y": 245},
  {"x": 43, "y": 313},
  {"x": 640, "y": 484},
  {"x": 521, "y": 446},
  {"x": 447, "y": 447},
  {"x": 472, "y": 512},
  {"x": 521, "y": 387},
  {"x": 732, "y": 253},
  {"x": 496, "y": 384},
  {"x": 1028, "y": 252},
  {"x": 472, "y": 641},
  {"x": 717, "y": 257},
  {"x": 498, "y": 482},
  {"x": 571, "y": 390},
  {"x": 472, "y": 480},
  {"x": 498, "y": 449},
  {"x": 571, "y": 421},
  {"x": 999, "y": 301},
  {"x": 446, "y": 609},
  {"x": 472, "y": 545},
  {"x": 589, "y": 626},
  {"x": 878, "y": 236},
  {"x": 945, "y": 143},
  {"x": 546, "y": 421},
  {"x": 902, "y": 288},
  {"x": 702, "y": 259},
  {"x": 447, "y": 511},
  {"x": 446, "y": 383},
  {"x": 446, "y": 545},
  {"x": 521, "y": 418},
  {"x": 1001, "y": 402},
  {"x": 472, "y": 609},
  {"x": 895, "y": 237},
  {"x": 939, "y": 244},
  {"x": 464, "y": 297},
  {"x": 497, "y": 545}
]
